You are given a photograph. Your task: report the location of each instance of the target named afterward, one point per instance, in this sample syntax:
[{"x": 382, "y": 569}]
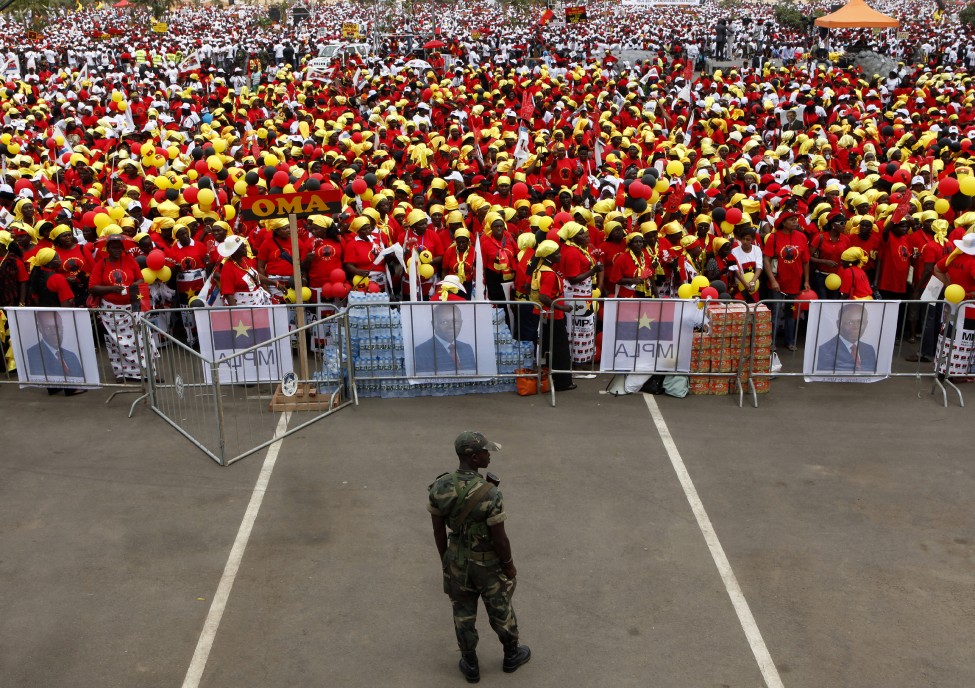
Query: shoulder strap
[{"x": 473, "y": 501}]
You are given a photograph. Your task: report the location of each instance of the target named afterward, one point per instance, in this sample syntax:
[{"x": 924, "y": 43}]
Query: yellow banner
[
  {"x": 350, "y": 30},
  {"x": 160, "y": 27}
]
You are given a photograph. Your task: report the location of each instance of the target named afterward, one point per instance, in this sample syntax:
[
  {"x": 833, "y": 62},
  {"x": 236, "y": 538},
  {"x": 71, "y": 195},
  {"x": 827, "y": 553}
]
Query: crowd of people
[{"x": 484, "y": 138}]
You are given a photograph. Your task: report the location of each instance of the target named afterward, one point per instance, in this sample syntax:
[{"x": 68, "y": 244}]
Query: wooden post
[{"x": 296, "y": 266}]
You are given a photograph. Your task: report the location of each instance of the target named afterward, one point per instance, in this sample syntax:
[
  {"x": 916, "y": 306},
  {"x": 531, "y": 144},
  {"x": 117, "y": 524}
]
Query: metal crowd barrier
[
  {"x": 403, "y": 349},
  {"x": 70, "y": 349},
  {"x": 883, "y": 328},
  {"x": 229, "y": 400},
  {"x": 706, "y": 342}
]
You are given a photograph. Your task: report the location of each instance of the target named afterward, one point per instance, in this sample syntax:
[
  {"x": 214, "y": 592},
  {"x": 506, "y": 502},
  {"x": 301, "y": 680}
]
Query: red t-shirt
[
  {"x": 234, "y": 278},
  {"x": 326, "y": 255},
  {"x": 830, "y": 250},
  {"x": 276, "y": 253},
  {"x": 791, "y": 249},
  {"x": 854, "y": 282},
  {"x": 550, "y": 285},
  {"x": 870, "y": 246},
  {"x": 362, "y": 254},
  {"x": 192, "y": 257},
  {"x": 123, "y": 272},
  {"x": 961, "y": 271},
  {"x": 498, "y": 253},
  {"x": 895, "y": 256},
  {"x": 574, "y": 261}
]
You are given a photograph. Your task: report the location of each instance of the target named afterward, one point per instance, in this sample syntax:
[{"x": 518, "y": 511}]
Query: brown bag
[{"x": 526, "y": 386}]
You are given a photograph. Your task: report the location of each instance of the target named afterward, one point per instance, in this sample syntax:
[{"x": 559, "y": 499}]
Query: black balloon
[
  {"x": 313, "y": 185},
  {"x": 172, "y": 194},
  {"x": 718, "y": 215},
  {"x": 251, "y": 178},
  {"x": 223, "y": 174},
  {"x": 887, "y": 130},
  {"x": 141, "y": 261},
  {"x": 197, "y": 154},
  {"x": 639, "y": 205},
  {"x": 268, "y": 173},
  {"x": 370, "y": 179},
  {"x": 204, "y": 183},
  {"x": 891, "y": 168}
]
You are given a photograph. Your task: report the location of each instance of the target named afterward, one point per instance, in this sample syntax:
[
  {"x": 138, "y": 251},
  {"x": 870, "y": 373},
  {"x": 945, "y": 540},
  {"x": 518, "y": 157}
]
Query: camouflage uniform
[{"x": 471, "y": 568}]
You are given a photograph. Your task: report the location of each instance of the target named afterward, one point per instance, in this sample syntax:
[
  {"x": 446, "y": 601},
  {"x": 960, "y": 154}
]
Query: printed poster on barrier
[
  {"x": 225, "y": 332},
  {"x": 648, "y": 336},
  {"x": 956, "y": 344},
  {"x": 450, "y": 341},
  {"x": 53, "y": 347},
  {"x": 850, "y": 341}
]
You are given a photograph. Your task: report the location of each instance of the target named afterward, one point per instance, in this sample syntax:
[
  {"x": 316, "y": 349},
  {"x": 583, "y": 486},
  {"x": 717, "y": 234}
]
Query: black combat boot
[
  {"x": 514, "y": 656},
  {"x": 469, "y": 667}
]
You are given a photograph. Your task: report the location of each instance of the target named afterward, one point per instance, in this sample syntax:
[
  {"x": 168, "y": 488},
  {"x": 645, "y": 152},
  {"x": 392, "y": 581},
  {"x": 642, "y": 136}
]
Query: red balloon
[
  {"x": 804, "y": 298},
  {"x": 22, "y": 184},
  {"x": 201, "y": 167},
  {"x": 222, "y": 197},
  {"x": 357, "y": 137},
  {"x": 308, "y": 149},
  {"x": 155, "y": 260},
  {"x": 553, "y": 235},
  {"x": 560, "y": 219},
  {"x": 902, "y": 175},
  {"x": 280, "y": 179},
  {"x": 733, "y": 215},
  {"x": 328, "y": 290},
  {"x": 709, "y": 293},
  {"x": 373, "y": 288},
  {"x": 88, "y": 219},
  {"x": 337, "y": 275},
  {"x": 359, "y": 187},
  {"x": 948, "y": 186},
  {"x": 966, "y": 144},
  {"x": 519, "y": 190},
  {"x": 51, "y": 143},
  {"x": 340, "y": 291},
  {"x": 160, "y": 195},
  {"x": 191, "y": 193},
  {"x": 636, "y": 189}
]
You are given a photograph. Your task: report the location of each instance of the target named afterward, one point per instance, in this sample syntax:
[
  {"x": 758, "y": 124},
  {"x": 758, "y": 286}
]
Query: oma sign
[{"x": 302, "y": 204}]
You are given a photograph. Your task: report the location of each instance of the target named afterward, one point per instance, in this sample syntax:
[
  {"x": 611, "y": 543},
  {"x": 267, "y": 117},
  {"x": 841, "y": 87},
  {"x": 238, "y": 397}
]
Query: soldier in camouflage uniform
[{"x": 476, "y": 555}]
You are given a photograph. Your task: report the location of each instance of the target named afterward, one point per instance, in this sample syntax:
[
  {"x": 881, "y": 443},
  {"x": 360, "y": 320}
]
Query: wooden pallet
[{"x": 307, "y": 399}]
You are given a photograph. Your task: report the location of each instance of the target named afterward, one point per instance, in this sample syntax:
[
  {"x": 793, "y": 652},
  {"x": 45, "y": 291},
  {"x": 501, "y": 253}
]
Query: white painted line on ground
[
  {"x": 203, "y": 646},
  {"x": 765, "y": 664}
]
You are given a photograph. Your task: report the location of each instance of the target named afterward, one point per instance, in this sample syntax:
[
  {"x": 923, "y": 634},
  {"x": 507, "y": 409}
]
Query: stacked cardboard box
[{"x": 719, "y": 350}]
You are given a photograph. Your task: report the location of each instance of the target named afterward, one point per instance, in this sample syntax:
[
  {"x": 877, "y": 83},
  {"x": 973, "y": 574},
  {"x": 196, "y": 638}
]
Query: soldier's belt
[{"x": 482, "y": 556}]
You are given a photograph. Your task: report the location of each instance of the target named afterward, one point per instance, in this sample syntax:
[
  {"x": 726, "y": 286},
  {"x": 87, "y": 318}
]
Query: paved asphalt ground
[{"x": 844, "y": 512}]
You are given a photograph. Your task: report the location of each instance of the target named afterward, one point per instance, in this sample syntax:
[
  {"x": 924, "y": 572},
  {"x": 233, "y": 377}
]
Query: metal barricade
[
  {"x": 849, "y": 341},
  {"x": 73, "y": 349},
  {"x": 437, "y": 348},
  {"x": 703, "y": 341},
  {"x": 237, "y": 396}
]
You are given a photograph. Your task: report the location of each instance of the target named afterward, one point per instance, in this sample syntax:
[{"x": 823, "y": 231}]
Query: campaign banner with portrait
[
  {"x": 648, "y": 336},
  {"x": 850, "y": 341},
  {"x": 956, "y": 343},
  {"x": 53, "y": 347},
  {"x": 449, "y": 341},
  {"x": 225, "y": 332}
]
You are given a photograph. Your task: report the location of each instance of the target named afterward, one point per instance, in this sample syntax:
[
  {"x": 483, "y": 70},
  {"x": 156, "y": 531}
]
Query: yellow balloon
[
  {"x": 954, "y": 293},
  {"x": 116, "y": 213},
  {"x": 102, "y": 220},
  {"x": 262, "y": 133},
  {"x": 117, "y": 96},
  {"x": 360, "y": 281},
  {"x": 229, "y": 212},
  {"x": 942, "y": 206},
  {"x": 727, "y": 227},
  {"x": 661, "y": 185},
  {"x": 596, "y": 293},
  {"x": 748, "y": 277},
  {"x": 305, "y": 294},
  {"x": 966, "y": 185},
  {"x": 426, "y": 256},
  {"x": 164, "y": 274},
  {"x": 5, "y": 139},
  {"x": 122, "y": 106},
  {"x": 13, "y": 148},
  {"x": 173, "y": 152},
  {"x": 214, "y": 163},
  {"x": 700, "y": 282},
  {"x": 219, "y": 145},
  {"x": 271, "y": 159},
  {"x": 159, "y": 161},
  {"x": 685, "y": 291},
  {"x": 148, "y": 276},
  {"x": 833, "y": 281},
  {"x": 288, "y": 188},
  {"x": 206, "y": 197},
  {"x": 427, "y": 271},
  {"x": 162, "y": 182},
  {"x": 147, "y": 149},
  {"x": 192, "y": 174},
  {"x": 675, "y": 168},
  {"x": 290, "y": 296},
  {"x": 59, "y": 140},
  {"x": 240, "y": 188}
]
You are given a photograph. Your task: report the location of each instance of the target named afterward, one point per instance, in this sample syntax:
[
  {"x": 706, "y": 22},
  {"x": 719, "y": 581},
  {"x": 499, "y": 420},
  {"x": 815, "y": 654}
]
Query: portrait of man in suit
[
  {"x": 443, "y": 353},
  {"x": 847, "y": 351},
  {"x": 49, "y": 358}
]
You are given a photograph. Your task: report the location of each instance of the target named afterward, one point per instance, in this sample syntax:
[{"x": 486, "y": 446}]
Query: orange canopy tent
[{"x": 854, "y": 14}]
